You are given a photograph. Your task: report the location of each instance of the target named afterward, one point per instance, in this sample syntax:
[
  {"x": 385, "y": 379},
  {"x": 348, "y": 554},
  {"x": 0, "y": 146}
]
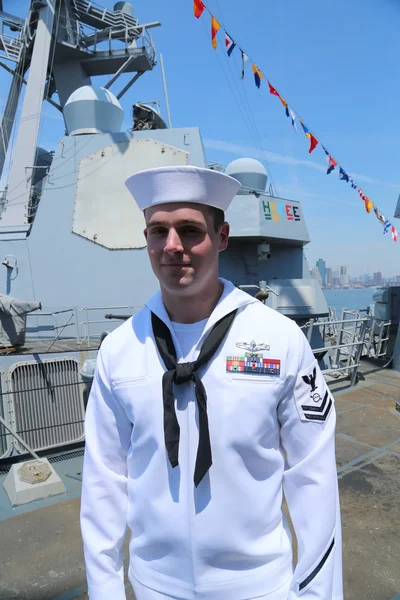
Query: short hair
[{"x": 218, "y": 216}]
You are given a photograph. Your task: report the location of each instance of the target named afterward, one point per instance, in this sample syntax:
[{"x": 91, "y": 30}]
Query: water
[{"x": 348, "y": 298}]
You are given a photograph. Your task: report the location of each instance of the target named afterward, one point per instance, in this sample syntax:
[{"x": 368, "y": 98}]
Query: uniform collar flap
[{"x": 231, "y": 298}]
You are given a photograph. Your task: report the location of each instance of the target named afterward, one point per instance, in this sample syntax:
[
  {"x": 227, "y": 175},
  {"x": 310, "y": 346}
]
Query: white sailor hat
[{"x": 184, "y": 183}]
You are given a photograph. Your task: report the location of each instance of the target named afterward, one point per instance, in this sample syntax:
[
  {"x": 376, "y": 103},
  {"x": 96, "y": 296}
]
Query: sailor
[{"x": 207, "y": 406}]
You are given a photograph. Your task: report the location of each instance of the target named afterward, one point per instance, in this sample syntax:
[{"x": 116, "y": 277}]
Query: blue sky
[{"x": 335, "y": 63}]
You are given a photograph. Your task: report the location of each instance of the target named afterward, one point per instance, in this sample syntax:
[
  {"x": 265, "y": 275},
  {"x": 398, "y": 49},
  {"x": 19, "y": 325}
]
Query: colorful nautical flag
[
  {"x": 229, "y": 43},
  {"x": 331, "y": 164},
  {"x": 272, "y": 90},
  {"x": 379, "y": 215},
  {"x": 361, "y": 194},
  {"x": 285, "y": 105},
  {"x": 257, "y": 75},
  {"x": 199, "y": 7},
  {"x": 215, "y": 27},
  {"x": 367, "y": 201},
  {"x": 244, "y": 59},
  {"x": 313, "y": 140},
  {"x": 293, "y": 118},
  {"x": 313, "y": 143},
  {"x": 305, "y": 129},
  {"x": 368, "y": 204}
]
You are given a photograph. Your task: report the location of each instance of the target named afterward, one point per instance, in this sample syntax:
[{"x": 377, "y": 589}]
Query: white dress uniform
[{"x": 271, "y": 422}]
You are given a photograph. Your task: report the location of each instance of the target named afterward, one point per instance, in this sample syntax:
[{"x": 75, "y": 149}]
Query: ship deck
[
  {"x": 41, "y": 556},
  {"x": 47, "y": 346}
]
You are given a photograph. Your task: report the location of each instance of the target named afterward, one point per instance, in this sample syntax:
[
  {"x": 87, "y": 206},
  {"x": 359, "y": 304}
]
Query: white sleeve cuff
[{"x": 106, "y": 592}]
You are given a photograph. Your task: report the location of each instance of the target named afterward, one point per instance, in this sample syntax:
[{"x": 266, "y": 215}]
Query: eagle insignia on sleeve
[{"x": 313, "y": 398}]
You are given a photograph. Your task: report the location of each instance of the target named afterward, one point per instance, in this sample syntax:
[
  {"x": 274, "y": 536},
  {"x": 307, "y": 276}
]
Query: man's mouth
[{"x": 180, "y": 264}]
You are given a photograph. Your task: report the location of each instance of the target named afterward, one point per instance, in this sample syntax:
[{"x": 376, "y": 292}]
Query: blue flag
[{"x": 229, "y": 44}]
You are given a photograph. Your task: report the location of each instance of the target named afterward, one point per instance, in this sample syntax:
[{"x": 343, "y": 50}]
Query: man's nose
[{"x": 173, "y": 243}]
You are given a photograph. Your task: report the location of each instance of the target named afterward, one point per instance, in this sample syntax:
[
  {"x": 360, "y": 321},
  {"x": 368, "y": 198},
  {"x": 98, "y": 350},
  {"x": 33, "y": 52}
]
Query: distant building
[
  {"x": 321, "y": 266},
  {"x": 378, "y": 278},
  {"x": 398, "y": 279},
  {"x": 328, "y": 276},
  {"x": 344, "y": 275},
  {"x": 315, "y": 274}
]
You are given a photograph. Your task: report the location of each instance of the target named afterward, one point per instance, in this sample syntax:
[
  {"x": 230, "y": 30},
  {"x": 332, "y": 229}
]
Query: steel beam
[
  {"x": 129, "y": 84},
  {"x": 19, "y": 184}
]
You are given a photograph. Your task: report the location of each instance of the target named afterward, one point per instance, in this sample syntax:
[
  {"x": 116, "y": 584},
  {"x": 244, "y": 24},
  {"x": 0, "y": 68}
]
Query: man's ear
[
  {"x": 224, "y": 235},
  {"x": 145, "y": 233}
]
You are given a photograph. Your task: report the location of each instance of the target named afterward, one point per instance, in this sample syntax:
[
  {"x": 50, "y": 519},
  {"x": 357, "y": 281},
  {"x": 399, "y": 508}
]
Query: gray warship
[{"x": 75, "y": 264}]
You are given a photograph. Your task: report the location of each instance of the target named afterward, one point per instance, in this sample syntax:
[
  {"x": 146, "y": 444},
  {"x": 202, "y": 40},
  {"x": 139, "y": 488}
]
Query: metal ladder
[{"x": 10, "y": 47}]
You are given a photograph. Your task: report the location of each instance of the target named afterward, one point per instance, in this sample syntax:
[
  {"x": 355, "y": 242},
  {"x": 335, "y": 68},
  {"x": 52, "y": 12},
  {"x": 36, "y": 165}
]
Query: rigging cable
[
  {"x": 251, "y": 115},
  {"x": 246, "y": 111}
]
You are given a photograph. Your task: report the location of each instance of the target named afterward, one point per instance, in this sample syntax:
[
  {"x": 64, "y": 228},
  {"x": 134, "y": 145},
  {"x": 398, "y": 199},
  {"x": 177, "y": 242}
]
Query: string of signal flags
[{"x": 230, "y": 46}]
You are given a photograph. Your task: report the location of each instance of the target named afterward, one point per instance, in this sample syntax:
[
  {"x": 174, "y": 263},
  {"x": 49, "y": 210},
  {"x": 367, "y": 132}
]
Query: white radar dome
[
  {"x": 251, "y": 174},
  {"x": 91, "y": 109},
  {"x": 124, "y": 7}
]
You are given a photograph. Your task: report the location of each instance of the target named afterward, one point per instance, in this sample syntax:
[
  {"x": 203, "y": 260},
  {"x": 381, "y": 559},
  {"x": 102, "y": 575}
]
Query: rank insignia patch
[
  {"x": 313, "y": 398},
  {"x": 253, "y": 363}
]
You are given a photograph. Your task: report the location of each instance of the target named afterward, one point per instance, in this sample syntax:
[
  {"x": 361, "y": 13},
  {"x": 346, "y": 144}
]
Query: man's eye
[
  {"x": 157, "y": 231},
  {"x": 190, "y": 230}
]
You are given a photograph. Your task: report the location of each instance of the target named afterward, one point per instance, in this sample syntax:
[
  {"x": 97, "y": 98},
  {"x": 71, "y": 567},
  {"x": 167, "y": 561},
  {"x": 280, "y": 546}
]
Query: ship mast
[{"x": 61, "y": 45}]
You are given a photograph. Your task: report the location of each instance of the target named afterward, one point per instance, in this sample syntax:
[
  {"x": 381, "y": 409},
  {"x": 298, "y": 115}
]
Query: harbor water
[{"x": 350, "y": 298}]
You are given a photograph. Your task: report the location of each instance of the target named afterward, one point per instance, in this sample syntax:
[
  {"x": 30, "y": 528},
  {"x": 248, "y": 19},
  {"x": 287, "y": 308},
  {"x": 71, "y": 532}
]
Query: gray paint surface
[{"x": 61, "y": 269}]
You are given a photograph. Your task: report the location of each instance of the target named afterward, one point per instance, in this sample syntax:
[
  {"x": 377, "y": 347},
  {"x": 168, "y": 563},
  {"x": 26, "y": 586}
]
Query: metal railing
[
  {"x": 105, "y": 15},
  {"x": 90, "y": 324},
  {"x": 104, "y": 41},
  {"x": 91, "y": 40},
  {"x": 349, "y": 339},
  {"x": 85, "y": 325},
  {"x": 345, "y": 346},
  {"x": 377, "y": 340}
]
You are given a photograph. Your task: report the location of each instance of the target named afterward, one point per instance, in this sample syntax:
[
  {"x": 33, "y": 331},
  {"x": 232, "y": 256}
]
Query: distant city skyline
[
  {"x": 363, "y": 260},
  {"x": 390, "y": 270},
  {"x": 341, "y": 276}
]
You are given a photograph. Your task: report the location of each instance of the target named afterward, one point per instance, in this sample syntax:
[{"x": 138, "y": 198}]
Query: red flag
[
  {"x": 215, "y": 26},
  {"x": 199, "y": 7},
  {"x": 272, "y": 90},
  {"x": 363, "y": 197},
  {"x": 394, "y": 233},
  {"x": 313, "y": 143}
]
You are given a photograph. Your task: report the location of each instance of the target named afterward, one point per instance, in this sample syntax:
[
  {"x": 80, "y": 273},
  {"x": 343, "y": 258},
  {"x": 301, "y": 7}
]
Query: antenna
[{"x": 165, "y": 90}]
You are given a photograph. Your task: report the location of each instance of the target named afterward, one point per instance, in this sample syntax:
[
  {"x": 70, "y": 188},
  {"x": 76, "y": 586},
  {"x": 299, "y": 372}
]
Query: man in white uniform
[{"x": 205, "y": 408}]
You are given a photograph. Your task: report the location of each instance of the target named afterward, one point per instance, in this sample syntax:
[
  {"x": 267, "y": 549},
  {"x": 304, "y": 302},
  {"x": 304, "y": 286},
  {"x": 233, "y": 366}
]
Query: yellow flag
[{"x": 215, "y": 26}]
